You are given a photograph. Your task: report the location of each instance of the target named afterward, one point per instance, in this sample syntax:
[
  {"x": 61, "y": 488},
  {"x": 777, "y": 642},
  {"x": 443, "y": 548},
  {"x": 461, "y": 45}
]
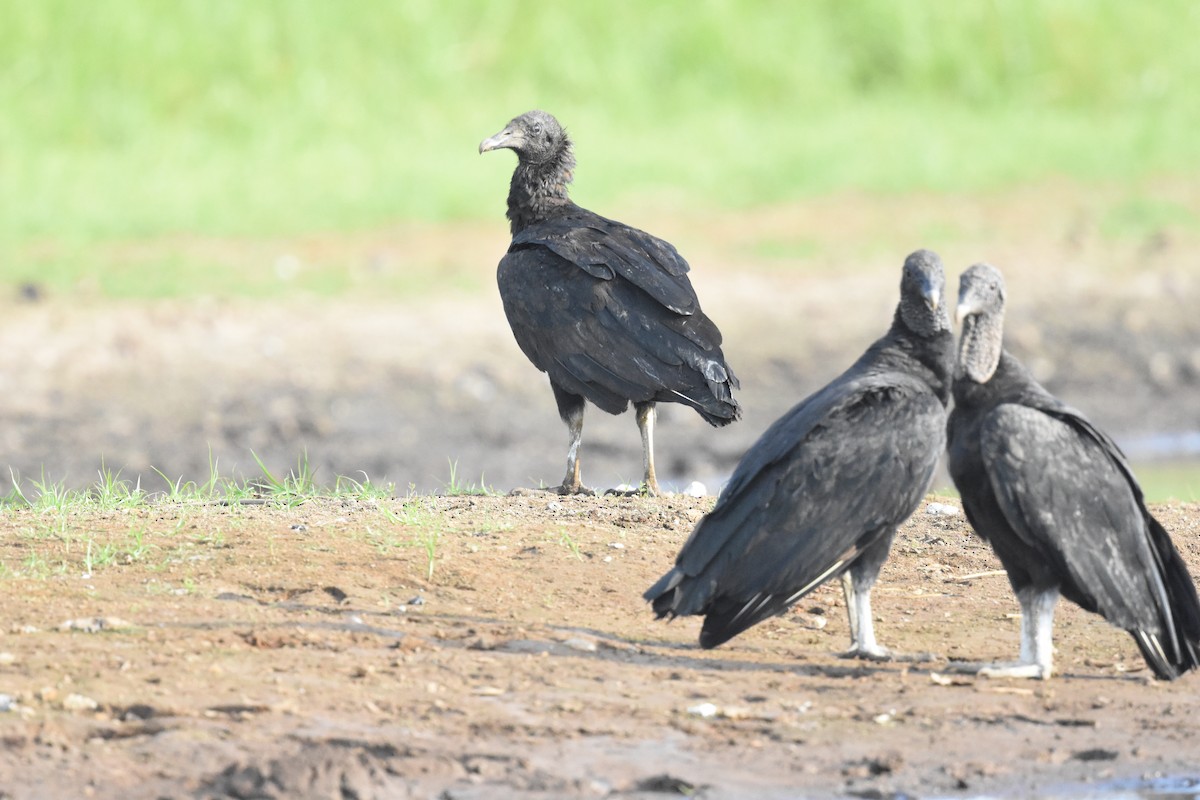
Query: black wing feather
[
  {"x": 605, "y": 248},
  {"x": 612, "y": 341}
]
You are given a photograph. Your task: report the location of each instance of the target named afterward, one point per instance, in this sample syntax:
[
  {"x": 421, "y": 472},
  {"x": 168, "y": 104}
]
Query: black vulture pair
[
  {"x": 608, "y": 312},
  {"x": 1052, "y": 493}
]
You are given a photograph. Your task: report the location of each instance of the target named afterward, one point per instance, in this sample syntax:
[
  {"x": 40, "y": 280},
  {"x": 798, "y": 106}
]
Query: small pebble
[
  {"x": 583, "y": 645},
  {"x": 941, "y": 510},
  {"x": 703, "y": 710},
  {"x": 7, "y": 703},
  {"x": 417, "y": 601},
  {"x": 94, "y": 624},
  {"x": 7, "y": 658},
  {"x": 695, "y": 489},
  {"x": 78, "y": 702},
  {"x": 616, "y": 545}
]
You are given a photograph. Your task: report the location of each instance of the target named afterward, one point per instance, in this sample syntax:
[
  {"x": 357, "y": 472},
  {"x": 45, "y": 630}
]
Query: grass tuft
[{"x": 454, "y": 487}]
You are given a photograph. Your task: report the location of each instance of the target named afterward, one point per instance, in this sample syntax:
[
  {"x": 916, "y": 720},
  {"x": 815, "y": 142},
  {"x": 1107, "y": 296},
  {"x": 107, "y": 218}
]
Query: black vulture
[
  {"x": 1056, "y": 499},
  {"x": 605, "y": 310},
  {"x": 823, "y": 490}
]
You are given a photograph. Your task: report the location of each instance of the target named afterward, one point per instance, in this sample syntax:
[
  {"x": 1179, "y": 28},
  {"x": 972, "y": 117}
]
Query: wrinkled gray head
[
  {"x": 923, "y": 294},
  {"x": 535, "y": 136},
  {"x": 981, "y": 315}
]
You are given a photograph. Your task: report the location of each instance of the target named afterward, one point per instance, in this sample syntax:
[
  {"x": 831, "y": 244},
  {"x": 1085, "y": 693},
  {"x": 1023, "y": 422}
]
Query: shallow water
[
  {"x": 1172, "y": 788},
  {"x": 1164, "y": 445}
]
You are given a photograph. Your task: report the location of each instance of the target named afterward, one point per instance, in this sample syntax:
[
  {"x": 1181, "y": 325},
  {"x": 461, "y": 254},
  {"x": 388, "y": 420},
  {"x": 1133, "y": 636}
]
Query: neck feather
[
  {"x": 980, "y": 346},
  {"x": 538, "y": 189}
]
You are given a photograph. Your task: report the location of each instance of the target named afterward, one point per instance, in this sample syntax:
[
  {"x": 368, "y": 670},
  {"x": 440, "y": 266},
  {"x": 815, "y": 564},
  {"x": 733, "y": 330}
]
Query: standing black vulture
[
  {"x": 606, "y": 310},
  {"x": 823, "y": 490},
  {"x": 1057, "y": 501}
]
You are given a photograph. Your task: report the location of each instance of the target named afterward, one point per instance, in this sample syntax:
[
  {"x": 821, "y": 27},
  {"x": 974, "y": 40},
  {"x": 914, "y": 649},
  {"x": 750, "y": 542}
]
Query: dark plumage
[
  {"x": 1057, "y": 501},
  {"x": 824, "y": 489},
  {"x": 605, "y": 310}
]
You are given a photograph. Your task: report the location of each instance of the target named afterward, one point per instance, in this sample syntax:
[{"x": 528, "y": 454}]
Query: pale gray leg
[
  {"x": 570, "y": 409},
  {"x": 862, "y": 624},
  {"x": 1037, "y": 646},
  {"x": 851, "y": 605},
  {"x": 645, "y": 421},
  {"x": 856, "y": 585}
]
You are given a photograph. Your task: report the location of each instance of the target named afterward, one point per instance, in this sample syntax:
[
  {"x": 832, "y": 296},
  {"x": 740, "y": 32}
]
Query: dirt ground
[
  {"x": 496, "y": 646},
  {"x": 317, "y": 651}
]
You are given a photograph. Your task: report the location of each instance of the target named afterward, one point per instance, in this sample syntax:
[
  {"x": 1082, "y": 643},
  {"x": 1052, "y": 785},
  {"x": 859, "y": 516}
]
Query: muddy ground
[
  {"x": 253, "y": 651},
  {"x": 317, "y": 651}
]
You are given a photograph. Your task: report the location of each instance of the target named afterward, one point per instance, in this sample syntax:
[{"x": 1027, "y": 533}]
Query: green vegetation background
[{"x": 135, "y": 119}]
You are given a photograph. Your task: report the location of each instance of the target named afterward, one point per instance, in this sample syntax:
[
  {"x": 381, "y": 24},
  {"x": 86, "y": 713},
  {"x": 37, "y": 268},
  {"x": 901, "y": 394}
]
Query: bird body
[
  {"x": 823, "y": 490},
  {"x": 1059, "y": 504},
  {"x": 607, "y": 311}
]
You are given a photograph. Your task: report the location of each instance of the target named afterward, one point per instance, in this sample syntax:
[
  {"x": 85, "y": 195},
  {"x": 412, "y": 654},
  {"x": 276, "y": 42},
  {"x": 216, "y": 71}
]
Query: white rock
[
  {"x": 7, "y": 703},
  {"x": 695, "y": 489},
  {"x": 94, "y": 624},
  {"x": 941, "y": 510},
  {"x": 703, "y": 710},
  {"x": 580, "y": 644},
  {"x": 78, "y": 702}
]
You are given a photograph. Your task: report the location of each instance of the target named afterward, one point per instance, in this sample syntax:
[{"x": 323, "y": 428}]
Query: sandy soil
[{"x": 315, "y": 651}]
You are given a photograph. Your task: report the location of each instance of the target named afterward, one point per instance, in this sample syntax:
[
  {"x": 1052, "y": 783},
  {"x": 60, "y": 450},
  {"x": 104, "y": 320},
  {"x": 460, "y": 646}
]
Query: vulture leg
[
  {"x": 645, "y": 421},
  {"x": 856, "y": 587},
  {"x": 856, "y": 584},
  {"x": 1037, "y": 649},
  {"x": 851, "y": 607},
  {"x": 862, "y": 630},
  {"x": 570, "y": 408}
]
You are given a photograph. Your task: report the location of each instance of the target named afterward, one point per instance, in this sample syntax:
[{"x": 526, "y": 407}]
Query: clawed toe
[
  {"x": 1000, "y": 669},
  {"x": 874, "y": 653},
  {"x": 641, "y": 491},
  {"x": 1037, "y": 671}
]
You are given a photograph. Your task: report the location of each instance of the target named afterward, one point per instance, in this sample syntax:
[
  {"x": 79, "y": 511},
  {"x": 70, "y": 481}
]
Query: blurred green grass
[
  {"x": 136, "y": 120},
  {"x": 1167, "y": 481},
  {"x": 1164, "y": 481}
]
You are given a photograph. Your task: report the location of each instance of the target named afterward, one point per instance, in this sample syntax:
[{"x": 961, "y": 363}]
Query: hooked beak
[
  {"x": 966, "y": 307},
  {"x": 931, "y": 294},
  {"x": 506, "y": 138},
  {"x": 933, "y": 298}
]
